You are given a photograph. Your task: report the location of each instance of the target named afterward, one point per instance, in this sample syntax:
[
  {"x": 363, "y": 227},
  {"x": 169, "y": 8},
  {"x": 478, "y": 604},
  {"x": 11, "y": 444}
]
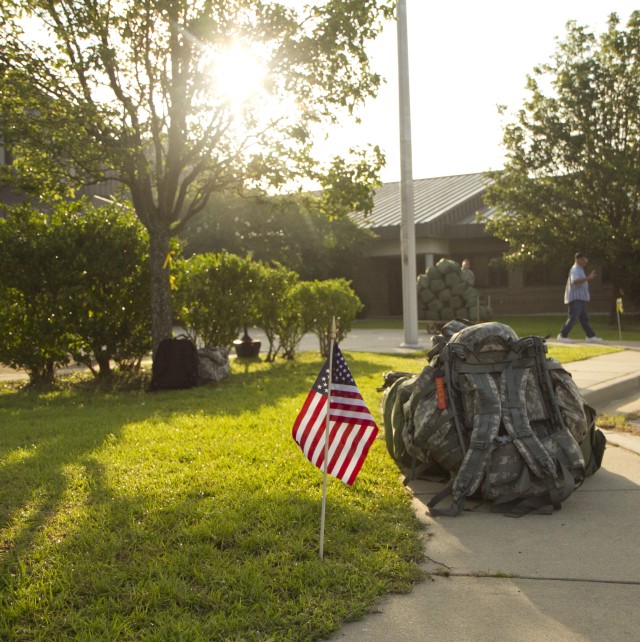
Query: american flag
[{"x": 352, "y": 429}]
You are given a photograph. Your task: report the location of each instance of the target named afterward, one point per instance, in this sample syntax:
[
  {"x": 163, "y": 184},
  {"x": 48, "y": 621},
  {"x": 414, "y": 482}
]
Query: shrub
[
  {"x": 321, "y": 302},
  {"x": 72, "y": 282},
  {"x": 34, "y": 327},
  {"x": 273, "y": 303},
  {"x": 111, "y": 311},
  {"x": 292, "y": 324},
  {"x": 216, "y": 296}
]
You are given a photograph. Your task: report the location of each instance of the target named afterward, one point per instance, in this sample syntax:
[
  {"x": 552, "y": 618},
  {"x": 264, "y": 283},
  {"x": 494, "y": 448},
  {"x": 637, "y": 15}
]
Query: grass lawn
[
  {"x": 193, "y": 515},
  {"x": 540, "y": 325}
]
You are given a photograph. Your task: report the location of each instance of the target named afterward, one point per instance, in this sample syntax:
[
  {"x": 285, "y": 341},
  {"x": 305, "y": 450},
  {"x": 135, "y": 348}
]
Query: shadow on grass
[
  {"x": 179, "y": 531},
  {"x": 35, "y": 460},
  {"x": 218, "y": 560},
  {"x": 258, "y": 385}
]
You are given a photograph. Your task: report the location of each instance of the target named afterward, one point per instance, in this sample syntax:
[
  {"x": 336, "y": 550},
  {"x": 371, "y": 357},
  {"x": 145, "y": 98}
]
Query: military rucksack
[{"x": 497, "y": 416}]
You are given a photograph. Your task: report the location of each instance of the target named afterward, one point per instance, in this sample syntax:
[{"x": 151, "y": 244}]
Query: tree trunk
[
  {"x": 161, "y": 313},
  {"x": 104, "y": 365},
  {"x": 44, "y": 375}
]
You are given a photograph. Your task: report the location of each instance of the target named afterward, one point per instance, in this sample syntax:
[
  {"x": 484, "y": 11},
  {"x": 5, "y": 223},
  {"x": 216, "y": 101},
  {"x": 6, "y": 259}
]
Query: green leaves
[
  {"x": 127, "y": 92},
  {"x": 321, "y": 302},
  {"x": 215, "y": 296},
  {"x": 573, "y": 156},
  {"x": 73, "y": 282},
  {"x": 288, "y": 229}
]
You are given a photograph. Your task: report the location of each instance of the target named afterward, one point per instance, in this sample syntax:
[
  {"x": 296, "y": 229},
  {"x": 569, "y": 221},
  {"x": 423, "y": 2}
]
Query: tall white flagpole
[
  {"x": 407, "y": 223},
  {"x": 326, "y": 439}
]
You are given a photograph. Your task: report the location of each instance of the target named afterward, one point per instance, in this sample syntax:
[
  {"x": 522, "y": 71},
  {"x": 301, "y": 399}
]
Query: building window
[
  {"x": 5, "y": 156},
  {"x": 541, "y": 275},
  {"x": 498, "y": 275}
]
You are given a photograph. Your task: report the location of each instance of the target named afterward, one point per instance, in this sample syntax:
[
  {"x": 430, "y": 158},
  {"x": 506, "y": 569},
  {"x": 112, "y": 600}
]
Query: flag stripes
[{"x": 352, "y": 429}]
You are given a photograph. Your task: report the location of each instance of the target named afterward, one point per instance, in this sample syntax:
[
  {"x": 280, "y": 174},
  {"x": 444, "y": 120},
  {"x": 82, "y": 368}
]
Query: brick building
[{"x": 445, "y": 211}]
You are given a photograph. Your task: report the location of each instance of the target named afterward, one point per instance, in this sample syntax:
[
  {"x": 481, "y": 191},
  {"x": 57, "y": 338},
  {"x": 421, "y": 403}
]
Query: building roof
[{"x": 432, "y": 198}]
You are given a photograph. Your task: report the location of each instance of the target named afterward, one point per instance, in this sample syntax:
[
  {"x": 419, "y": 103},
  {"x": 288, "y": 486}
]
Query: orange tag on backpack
[{"x": 440, "y": 394}]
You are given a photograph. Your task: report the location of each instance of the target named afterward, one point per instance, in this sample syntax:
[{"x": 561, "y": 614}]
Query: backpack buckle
[{"x": 479, "y": 444}]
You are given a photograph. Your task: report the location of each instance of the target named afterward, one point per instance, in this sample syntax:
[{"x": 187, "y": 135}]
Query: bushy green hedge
[
  {"x": 217, "y": 294},
  {"x": 275, "y": 304},
  {"x": 73, "y": 284},
  {"x": 323, "y": 301}
]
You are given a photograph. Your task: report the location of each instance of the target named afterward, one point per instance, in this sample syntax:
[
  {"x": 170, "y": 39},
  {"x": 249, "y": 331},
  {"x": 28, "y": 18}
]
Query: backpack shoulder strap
[
  {"x": 516, "y": 421},
  {"x": 452, "y": 399},
  {"x": 518, "y": 427},
  {"x": 486, "y": 422}
]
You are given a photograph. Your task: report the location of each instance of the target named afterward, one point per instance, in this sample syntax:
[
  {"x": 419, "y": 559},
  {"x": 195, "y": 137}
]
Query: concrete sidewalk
[{"x": 570, "y": 576}]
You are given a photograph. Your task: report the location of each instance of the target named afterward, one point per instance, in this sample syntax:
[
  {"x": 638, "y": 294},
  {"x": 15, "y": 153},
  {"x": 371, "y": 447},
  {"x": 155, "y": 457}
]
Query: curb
[
  {"x": 624, "y": 440},
  {"x": 619, "y": 388}
]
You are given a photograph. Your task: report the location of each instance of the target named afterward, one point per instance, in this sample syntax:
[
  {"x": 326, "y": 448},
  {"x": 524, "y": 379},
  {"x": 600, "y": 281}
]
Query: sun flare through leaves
[{"x": 238, "y": 74}]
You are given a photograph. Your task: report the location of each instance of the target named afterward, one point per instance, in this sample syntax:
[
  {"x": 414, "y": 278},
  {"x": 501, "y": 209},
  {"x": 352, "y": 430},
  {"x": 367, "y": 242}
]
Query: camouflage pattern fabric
[{"x": 514, "y": 426}]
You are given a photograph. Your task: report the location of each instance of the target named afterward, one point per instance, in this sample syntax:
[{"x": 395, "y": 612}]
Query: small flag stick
[
  {"x": 619, "y": 310},
  {"x": 353, "y": 429},
  {"x": 326, "y": 440}
]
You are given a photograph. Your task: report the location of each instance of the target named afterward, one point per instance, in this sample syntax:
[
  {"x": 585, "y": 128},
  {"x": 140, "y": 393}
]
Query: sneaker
[
  {"x": 593, "y": 339},
  {"x": 564, "y": 339}
]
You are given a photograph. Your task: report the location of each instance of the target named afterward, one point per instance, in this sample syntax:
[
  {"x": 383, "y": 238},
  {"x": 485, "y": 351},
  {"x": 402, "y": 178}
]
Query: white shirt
[{"x": 573, "y": 292}]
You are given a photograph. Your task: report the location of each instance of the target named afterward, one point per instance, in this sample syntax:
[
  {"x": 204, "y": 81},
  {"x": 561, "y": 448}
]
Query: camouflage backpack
[{"x": 505, "y": 422}]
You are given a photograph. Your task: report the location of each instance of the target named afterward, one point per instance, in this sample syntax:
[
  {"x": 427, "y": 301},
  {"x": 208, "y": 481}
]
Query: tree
[
  {"x": 286, "y": 229},
  {"x": 139, "y": 93},
  {"x": 572, "y": 174}
]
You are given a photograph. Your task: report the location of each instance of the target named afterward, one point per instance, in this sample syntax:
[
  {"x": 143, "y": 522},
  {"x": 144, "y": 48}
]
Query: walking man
[{"x": 576, "y": 296}]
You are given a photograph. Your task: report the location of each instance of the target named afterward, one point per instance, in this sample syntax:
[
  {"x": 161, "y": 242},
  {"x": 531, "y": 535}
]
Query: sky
[{"x": 465, "y": 58}]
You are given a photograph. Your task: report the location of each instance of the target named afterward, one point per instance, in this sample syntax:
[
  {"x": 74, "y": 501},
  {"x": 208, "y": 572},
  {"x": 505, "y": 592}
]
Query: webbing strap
[
  {"x": 570, "y": 460},
  {"x": 542, "y": 504},
  {"x": 455, "y": 508},
  {"x": 559, "y": 494},
  {"x": 486, "y": 423},
  {"x": 516, "y": 423},
  {"x": 546, "y": 503},
  {"x": 495, "y": 366},
  {"x": 536, "y": 344},
  {"x": 414, "y": 458},
  {"x": 452, "y": 397}
]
